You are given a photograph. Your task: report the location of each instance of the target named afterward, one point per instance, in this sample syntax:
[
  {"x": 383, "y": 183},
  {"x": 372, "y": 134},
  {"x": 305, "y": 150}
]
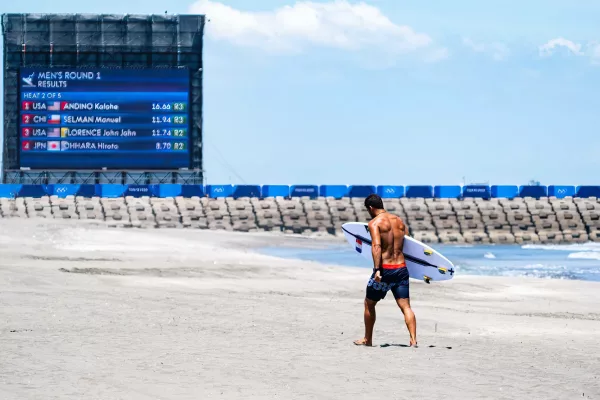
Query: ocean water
[{"x": 575, "y": 261}]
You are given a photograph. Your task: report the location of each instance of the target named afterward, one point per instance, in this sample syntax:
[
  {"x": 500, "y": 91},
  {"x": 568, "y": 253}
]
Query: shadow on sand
[{"x": 405, "y": 345}]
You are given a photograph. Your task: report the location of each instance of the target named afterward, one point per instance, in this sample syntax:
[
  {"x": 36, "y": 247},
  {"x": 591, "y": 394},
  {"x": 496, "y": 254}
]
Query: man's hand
[{"x": 377, "y": 276}]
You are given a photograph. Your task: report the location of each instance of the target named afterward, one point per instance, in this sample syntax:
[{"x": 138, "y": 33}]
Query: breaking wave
[
  {"x": 592, "y": 255},
  {"x": 563, "y": 247}
]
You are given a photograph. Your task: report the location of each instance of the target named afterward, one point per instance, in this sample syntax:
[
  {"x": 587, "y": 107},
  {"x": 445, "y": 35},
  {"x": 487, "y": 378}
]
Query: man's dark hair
[{"x": 374, "y": 201}]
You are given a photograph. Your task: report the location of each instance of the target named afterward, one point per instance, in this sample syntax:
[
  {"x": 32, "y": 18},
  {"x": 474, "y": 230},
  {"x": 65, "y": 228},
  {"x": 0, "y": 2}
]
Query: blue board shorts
[{"x": 394, "y": 278}]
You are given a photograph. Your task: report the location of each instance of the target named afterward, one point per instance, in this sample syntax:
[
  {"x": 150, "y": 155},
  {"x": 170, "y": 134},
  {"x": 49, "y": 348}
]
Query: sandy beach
[{"x": 89, "y": 312}]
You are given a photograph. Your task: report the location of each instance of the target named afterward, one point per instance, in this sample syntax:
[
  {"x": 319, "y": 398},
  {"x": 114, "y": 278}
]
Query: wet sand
[{"x": 94, "y": 313}]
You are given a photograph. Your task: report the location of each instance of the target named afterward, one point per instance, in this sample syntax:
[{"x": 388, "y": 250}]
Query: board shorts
[{"x": 394, "y": 278}]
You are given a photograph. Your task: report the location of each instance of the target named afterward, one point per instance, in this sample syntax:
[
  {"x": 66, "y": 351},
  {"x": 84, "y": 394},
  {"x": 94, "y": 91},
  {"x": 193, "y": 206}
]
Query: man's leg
[
  {"x": 375, "y": 292},
  {"x": 409, "y": 318},
  {"x": 370, "y": 316}
]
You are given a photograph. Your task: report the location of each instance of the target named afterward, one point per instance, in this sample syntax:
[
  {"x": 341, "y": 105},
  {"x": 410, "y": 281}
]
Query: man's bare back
[{"x": 390, "y": 236}]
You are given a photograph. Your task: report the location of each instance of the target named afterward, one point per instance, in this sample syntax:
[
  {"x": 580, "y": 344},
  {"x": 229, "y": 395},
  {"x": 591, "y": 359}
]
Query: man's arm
[{"x": 375, "y": 246}]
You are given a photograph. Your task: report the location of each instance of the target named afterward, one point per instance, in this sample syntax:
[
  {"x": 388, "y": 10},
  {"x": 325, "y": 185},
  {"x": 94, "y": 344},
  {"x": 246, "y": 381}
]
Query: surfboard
[{"x": 423, "y": 262}]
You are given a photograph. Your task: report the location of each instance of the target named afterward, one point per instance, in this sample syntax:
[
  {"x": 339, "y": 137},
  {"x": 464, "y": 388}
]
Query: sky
[{"x": 392, "y": 91}]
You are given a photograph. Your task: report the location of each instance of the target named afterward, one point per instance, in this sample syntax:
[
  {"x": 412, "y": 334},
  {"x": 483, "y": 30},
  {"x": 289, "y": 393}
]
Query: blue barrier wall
[
  {"x": 390, "y": 191},
  {"x": 32, "y": 191},
  {"x": 336, "y": 191},
  {"x": 588, "y": 191},
  {"x": 189, "y": 191},
  {"x": 561, "y": 191},
  {"x": 275, "y": 191},
  {"x": 110, "y": 190},
  {"x": 166, "y": 190},
  {"x": 246, "y": 191},
  {"x": 482, "y": 192},
  {"x": 87, "y": 191},
  {"x": 216, "y": 191},
  {"x": 361, "y": 191},
  {"x": 419, "y": 191},
  {"x": 63, "y": 190},
  {"x": 137, "y": 191},
  {"x": 311, "y": 191},
  {"x": 505, "y": 191},
  {"x": 9, "y": 191},
  {"x": 446, "y": 192},
  {"x": 533, "y": 191}
]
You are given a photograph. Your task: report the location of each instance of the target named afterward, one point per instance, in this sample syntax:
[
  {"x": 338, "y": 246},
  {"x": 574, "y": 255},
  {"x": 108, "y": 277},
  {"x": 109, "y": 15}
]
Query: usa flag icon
[{"x": 358, "y": 245}]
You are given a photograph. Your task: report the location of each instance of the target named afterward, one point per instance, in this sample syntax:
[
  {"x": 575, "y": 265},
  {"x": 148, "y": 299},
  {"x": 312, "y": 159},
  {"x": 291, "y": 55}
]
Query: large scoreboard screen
[{"x": 104, "y": 118}]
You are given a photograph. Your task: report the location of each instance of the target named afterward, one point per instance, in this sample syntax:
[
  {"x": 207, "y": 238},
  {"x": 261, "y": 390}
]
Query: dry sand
[{"x": 94, "y": 313}]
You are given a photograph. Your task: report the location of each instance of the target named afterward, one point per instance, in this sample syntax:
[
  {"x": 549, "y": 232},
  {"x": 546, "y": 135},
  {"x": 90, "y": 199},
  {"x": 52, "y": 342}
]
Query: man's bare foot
[
  {"x": 363, "y": 342},
  {"x": 413, "y": 344}
]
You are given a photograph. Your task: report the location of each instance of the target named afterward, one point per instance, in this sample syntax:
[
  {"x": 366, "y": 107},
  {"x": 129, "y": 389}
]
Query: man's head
[{"x": 373, "y": 203}]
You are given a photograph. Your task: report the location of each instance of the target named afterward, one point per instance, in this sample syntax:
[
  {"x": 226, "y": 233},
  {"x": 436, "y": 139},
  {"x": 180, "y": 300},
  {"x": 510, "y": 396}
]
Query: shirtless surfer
[{"x": 389, "y": 270}]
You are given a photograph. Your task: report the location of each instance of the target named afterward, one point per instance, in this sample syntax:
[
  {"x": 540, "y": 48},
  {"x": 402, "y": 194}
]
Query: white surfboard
[{"x": 422, "y": 261}]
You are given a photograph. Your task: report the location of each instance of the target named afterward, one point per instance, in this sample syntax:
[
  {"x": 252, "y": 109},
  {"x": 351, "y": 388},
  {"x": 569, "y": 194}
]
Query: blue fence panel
[
  {"x": 311, "y": 191},
  {"x": 138, "y": 191},
  {"x": 9, "y": 191},
  {"x": 165, "y": 190},
  {"x": 561, "y": 191},
  {"x": 62, "y": 190},
  {"x": 446, "y": 192},
  {"x": 533, "y": 191},
  {"x": 505, "y": 191},
  {"x": 275, "y": 191},
  {"x": 246, "y": 191},
  {"x": 361, "y": 191},
  {"x": 419, "y": 191},
  {"x": 215, "y": 191},
  {"x": 588, "y": 191},
  {"x": 189, "y": 191},
  {"x": 336, "y": 191},
  {"x": 87, "y": 190},
  {"x": 480, "y": 191},
  {"x": 390, "y": 191},
  {"x": 110, "y": 190},
  {"x": 36, "y": 191}
]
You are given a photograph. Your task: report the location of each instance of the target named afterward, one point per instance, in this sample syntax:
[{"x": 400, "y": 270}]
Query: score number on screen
[
  {"x": 174, "y": 146},
  {"x": 168, "y": 107}
]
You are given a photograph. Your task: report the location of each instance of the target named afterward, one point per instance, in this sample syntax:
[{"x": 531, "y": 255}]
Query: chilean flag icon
[
  {"x": 54, "y": 119},
  {"x": 358, "y": 246}
]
